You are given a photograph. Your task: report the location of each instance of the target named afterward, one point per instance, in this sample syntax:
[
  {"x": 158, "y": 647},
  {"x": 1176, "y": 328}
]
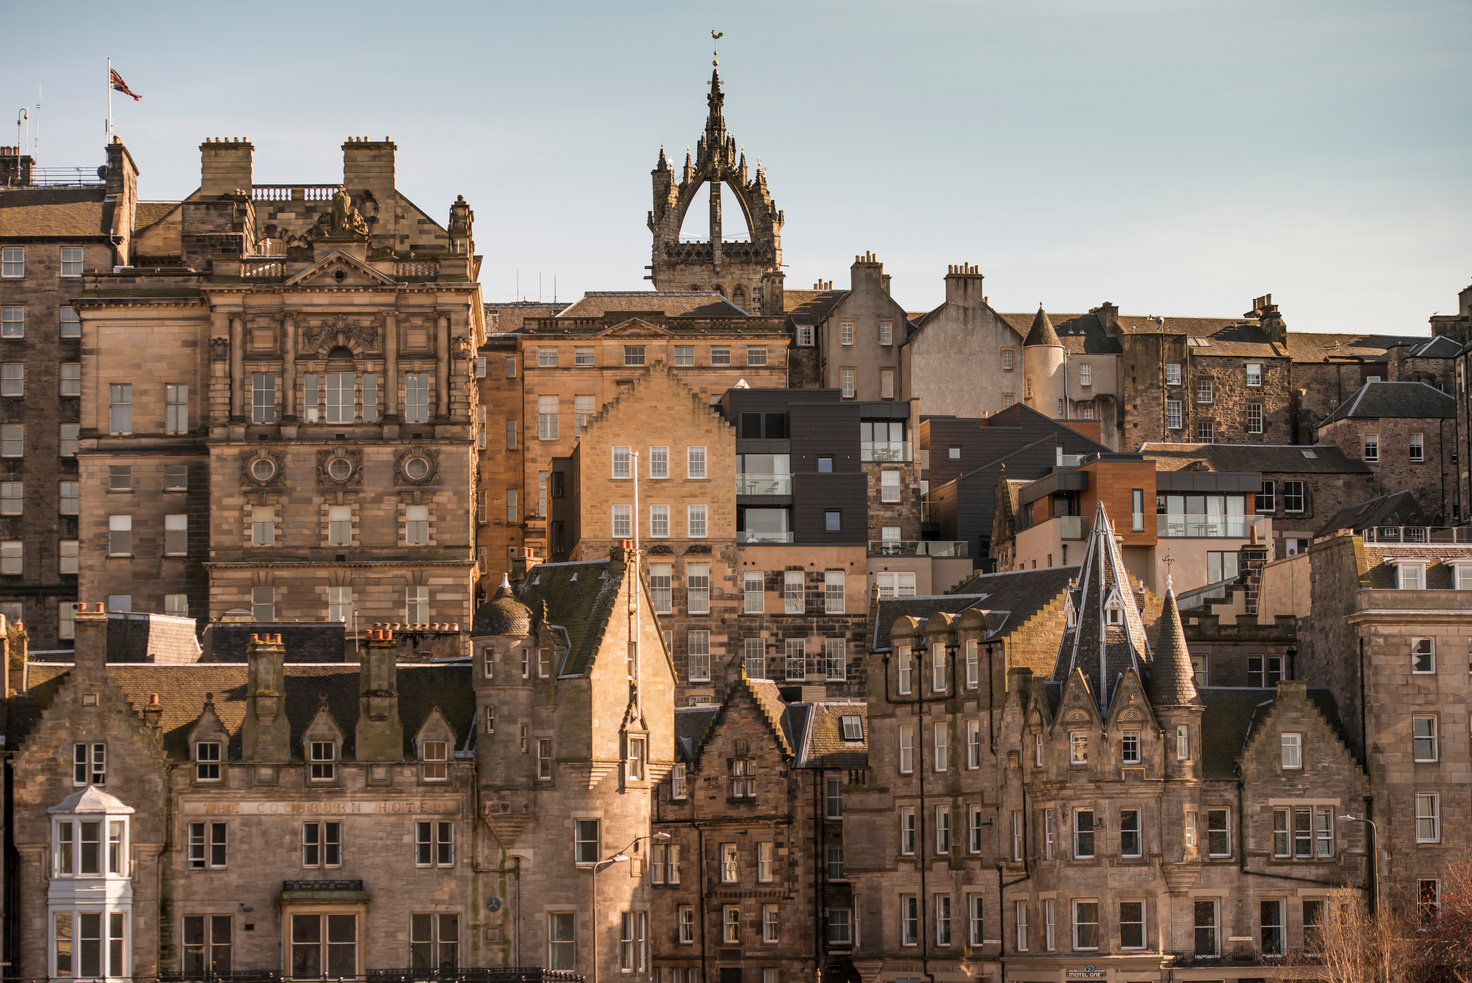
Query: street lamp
[
  {"x": 1380, "y": 912},
  {"x": 617, "y": 858}
]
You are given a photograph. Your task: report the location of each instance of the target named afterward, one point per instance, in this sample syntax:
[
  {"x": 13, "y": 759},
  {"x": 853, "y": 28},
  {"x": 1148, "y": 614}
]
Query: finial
[
  {"x": 715, "y": 55},
  {"x": 505, "y": 581}
]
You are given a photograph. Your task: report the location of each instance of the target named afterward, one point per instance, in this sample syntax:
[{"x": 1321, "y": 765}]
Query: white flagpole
[{"x": 109, "y": 101}]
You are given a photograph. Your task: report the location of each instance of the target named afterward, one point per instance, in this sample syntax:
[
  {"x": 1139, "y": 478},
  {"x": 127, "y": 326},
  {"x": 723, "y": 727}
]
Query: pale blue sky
[{"x": 1177, "y": 158}]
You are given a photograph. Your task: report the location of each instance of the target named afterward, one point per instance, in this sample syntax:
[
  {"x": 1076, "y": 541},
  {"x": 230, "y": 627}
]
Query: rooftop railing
[{"x": 1402, "y": 535}]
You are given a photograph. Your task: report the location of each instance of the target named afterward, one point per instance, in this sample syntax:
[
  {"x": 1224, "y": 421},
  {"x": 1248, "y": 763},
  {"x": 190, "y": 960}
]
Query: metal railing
[
  {"x": 884, "y": 450},
  {"x": 1198, "y": 526},
  {"x": 764, "y": 484},
  {"x": 1418, "y": 534},
  {"x": 757, "y": 538},
  {"x": 441, "y": 974},
  {"x": 61, "y": 177},
  {"x": 910, "y": 547}
]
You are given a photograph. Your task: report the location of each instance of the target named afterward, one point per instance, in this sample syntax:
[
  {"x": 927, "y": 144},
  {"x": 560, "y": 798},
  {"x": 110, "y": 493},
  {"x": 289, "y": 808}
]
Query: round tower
[{"x": 1043, "y": 374}]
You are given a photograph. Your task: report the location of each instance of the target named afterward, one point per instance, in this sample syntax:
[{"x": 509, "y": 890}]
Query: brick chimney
[
  {"x": 266, "y": 733},
  {"x": 15, "y": 167},
  {"x": 380, "y": 734},
  {"x": 225, "y": 166},
  {"x": 963, "y": 285}
]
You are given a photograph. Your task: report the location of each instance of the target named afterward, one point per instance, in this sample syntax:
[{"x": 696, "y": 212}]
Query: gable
[
  {"x": 635, "y": 328},
  {"x": 340, "y": 269}
]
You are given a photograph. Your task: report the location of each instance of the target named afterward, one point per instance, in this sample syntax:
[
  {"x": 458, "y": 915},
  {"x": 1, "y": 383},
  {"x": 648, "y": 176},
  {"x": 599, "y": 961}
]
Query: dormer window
[
  {"x": 435, "y": 761},
  {"x": 323, "y": 761},
  {"x": 853, "y": 727},
  {"x": 1070, "y": 613},
  {"x": 1410, "y": 573},
  {"x": 207, "y": 761},
  {"x": 1114, "y": 613}
]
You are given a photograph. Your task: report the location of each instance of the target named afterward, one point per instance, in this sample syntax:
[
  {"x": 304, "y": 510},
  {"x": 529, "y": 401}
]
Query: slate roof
[
  {"x": 891, "y": 609},
  {"x": 1041, "y": 332},
  {"x": 182, "y": 691},
  {"x": 1312, "y": 346},
  {"x": 671, "y": 303},
  {"x": 579, "y": 598},
  {"x": 691, "y": 724},
  {"x": 1397, "y": 509},
  {"x": 503, "y": 615},
  {"x": 1172, "y": 678},
  {"x": 811, "y": 306},
  {"x": 1439, "y": 575},
  {"x": 1395, "y": 400},
  {"x": 1232, "y": 712},
  {"x": 819, "y": 734},
  {"x": 56, "y": 213},
  {"x": 315, "y": 642},
  {"x": 147, "y": 213},
  {"x": 1439, "y": 346},
  {"x": 1263, "y": 458}
]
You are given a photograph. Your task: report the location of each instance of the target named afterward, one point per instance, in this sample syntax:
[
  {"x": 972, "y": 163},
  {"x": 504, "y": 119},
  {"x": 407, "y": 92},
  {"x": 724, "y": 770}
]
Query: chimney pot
[{"x": 153, "y": 699}]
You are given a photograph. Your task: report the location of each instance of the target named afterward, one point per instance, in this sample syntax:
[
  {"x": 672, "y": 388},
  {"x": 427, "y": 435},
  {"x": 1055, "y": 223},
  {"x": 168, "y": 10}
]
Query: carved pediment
[
  {"x": 358, "y": 334},
  {"x": 340, "y": 269},
  {"x": 635, "y": 327}
]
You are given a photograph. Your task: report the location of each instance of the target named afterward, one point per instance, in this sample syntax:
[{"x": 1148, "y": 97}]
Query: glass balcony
[
  {"x": 884, "y": 450},
  {"x": 1191, "y": 526},
  {"x": 764, "y": 484},
  {"x": 754, "y": 538},
  {"x": 1070, "y": 527},
  {"x": 899, "y": 547}
]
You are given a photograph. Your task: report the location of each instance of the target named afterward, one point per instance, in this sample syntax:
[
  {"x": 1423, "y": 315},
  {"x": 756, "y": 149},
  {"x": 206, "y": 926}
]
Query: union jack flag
[{"x": 116, "y": 81}]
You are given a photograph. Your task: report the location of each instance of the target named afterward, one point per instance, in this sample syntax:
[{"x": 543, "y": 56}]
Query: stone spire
[
  {"x": 1042, "y": 332},
  {"x": 715, "y": 120},
  {"x": 1172, "y": 678},
  {"x": 1107, "y": 635}
]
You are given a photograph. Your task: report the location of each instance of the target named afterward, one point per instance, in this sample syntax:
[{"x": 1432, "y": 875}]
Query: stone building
[
  {"x": 1404, "y": 432},
  {"x": 962, "y": 359},
  {"x": 859, "y": 336}
]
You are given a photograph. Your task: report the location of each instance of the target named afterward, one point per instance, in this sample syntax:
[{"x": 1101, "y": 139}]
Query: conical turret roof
[
  {"x": 1041, "y": 332},
  {"x": 1172, "y": 678},
  {"x": 503, "y": 615}
]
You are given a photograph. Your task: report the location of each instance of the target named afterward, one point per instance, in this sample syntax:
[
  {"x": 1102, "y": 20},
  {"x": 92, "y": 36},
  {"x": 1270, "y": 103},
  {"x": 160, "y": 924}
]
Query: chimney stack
[
  {"x": 266, "y": 733},
  {"x": 380, "y": 733},
  {"x": 963, "y": 285},
  {"x": 90, "y": 640},
  {"x": 225, "y": 166}
]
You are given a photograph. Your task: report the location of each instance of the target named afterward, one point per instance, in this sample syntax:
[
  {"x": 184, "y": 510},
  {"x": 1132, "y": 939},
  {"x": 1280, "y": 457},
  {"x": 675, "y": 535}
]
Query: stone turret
[
  {"x": 1044, "y": 379},
  {"x": 1173, "y": 695}
]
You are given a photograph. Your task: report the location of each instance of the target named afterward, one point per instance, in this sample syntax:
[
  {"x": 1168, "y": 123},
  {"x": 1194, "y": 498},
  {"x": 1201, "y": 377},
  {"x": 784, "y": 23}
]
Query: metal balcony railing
[
  {"x": 906, "y": 547},
  {"x": 884, "y": 450},
  {"x": 1196, "y": 526},
  {"x": 764, "y": 484}
]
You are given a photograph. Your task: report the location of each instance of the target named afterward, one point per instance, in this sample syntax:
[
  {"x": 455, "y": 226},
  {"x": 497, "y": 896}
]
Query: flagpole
[{"x": 109, "y": 100}]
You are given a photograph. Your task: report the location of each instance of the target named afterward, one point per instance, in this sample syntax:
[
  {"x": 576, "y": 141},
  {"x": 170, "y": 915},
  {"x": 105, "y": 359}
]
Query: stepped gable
[
  {"x": 1172, "y": 679},
  {"x": 1097, "y": 648}
]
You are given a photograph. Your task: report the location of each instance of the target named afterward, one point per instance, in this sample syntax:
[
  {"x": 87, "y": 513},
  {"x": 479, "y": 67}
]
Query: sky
[{"x": 1176, "y": 158}]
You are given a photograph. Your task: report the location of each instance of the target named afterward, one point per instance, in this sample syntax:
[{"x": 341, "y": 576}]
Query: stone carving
[
  {"x": 460, "y": 346},
  {"x": 340, "y": 467},
  {"x": 341, "y": 220},
  {"x": 219, "y": 349},
  {"x": 416, "y": 466},
  {"x": 262, "y": 468},
  {"x": 317, "y": 338}
]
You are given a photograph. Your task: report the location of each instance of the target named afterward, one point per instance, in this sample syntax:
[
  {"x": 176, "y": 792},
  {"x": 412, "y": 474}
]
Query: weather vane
[{"x": 715, "y": 56}]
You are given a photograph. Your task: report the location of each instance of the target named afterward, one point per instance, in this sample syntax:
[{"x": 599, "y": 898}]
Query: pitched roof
[
  {"x": 146, "y": 213},
  {"x": 1397, "y": 509},
  {"x": 1395, "y": 400},
  {"x": 183, "y": 690},
  {"x": 1439, "y": 346},
  {"x": 1041, "y": 332},
  {"x": 811, "y": 306},
  {"x": 890, "y": 609},
  {"x": 818, "y": 733},
  {"x": 1101, "y": 651},
  {"x": 1262, "y": 458},
  {"x": 61, "y": 213},
  {"x": 578, "y": 599},
  {"x": 691, "y": 724},
  {"x": 1313, "y": 346},
  {"x": 671, "y": 303},
  {"x": 1172, "y": 678},
  {"x": 1233, "y": 712}
]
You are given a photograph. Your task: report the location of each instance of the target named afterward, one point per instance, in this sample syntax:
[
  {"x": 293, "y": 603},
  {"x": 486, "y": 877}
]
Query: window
[
  {"x": 339, "y": 525},
  {"x": 769, "y": 923},
  {"x": 973, "y": 663},
  {"x": 845, "y": 332},
  {"x": 1019, "y": 910},
  {"x": 1254, "y": 418},
  {"x": 1017, "y": 837},
  {"x": 562, "y": 943},
  {"x": 886, "y": 332},
  {"x": 684, "y": 356},
  {"x": 1205, "y": 431},
  {"x": 71, "y": 379},
  {"x": 764, "y": 860},
  {"x": 730, "y": 870},
  {"x": 324, "y": 945},
  {"x": 12, "y": 557},
  {"x": 12, "y": 322},
  {"x": 720, "y": 355},
  {"x": 1264, "y": 670},
  {"x": 416, "y": 397},
  {"x": 1423, "y": 654},
  {"x": 1428, "y": 817},
  {"x": 846, "y": 382},
  {"x": 1086, "y": 924},
  {"x": 638, "y": 756},
  {"x": 207, "y": 843},
  {"x": 1292, "y": 496},
  {"x": 756, "y": 356},
  {"x": 741, "y": 773},
  {"x": 1428, "y": 898},
  {"x": 1190, "y": 831},
  {"x": 1129, "y": 747},
  {"x": 840, "y": 927},
  {"x": 804, "y": 336},
  {"x": 176, "y": 535},
  {"x": 1203, "y": 390},
  {"x": 263, "y": 603},
  {"x": 1423, "y": 738},
  {"x": 1183, "y": 742},
  {"x": 586, "y": 842},
  {"x": 1085, "y": 375},
  {"x": 907, "y": 827},
  {"x": 1007, "y": 359},
  {"x": 659, "y": 462},
  {"x": 796, "y": 659},
  {"x": 582, "y": 356},
  {"x": 263, "y": 525},
  {"x": 833, "y": 794},
  {"x": 71, "y": 324},
  {"x": 1418, "y": 448},
  {"x": 909, "y": 919},
  {"x": 660, "y": 575},
  {"x": 1292, "y": 745},
  {"x": 120, "y": 408},
  {"x": 582, "y": 412},
  {"x": 904, "y": 672},
  {"x": 889, "y": 486},
  {"x": 13, "y": 261},
  {"x": 1218, "y": 838},
  {"x": 1083, "y": 834},
  {"x": 434, "y": 761},
  {"x": 120, "y": 535},
  {"x": 434, "y": 844},
  {"x": 623, "y": 523},
  {"x": 12, "y": 440},
  {"x": 322, "y": 844},
  {"x": 546, "y": 358},
  {"x": 176, "y": 605},
  {"x": 1130, "y": 844},
  {"x": 685, "y": 924},
  {"x": 1254, "y": 373},
  {"x": 1372, "y": 446},
  {"x": 973, "y": 744},
  {"x": 752, "y": 593},
  {"x": 622, "y": 463},
  {"x": 546, "y": 417},
  {"x": 68, "y": 556},
  {"x": 207, "y": 945},
  {"x": 1173, "y": 414},
  {"x": 1411, "y": 576},
  {"x": 886, "y": 383},
  {"x": 511, "y": 435},
  {"x": 119, "y": 477},
  {"x": 695, "y": 463},
  {"x": 434, "y": 942},
  {"x": 833, "y": 592},
  {"x": 659, "y": 521},
  {"x": 1172, "y": 373},
  {"x": 263, "y": 398},
  {"x": 89, "y": 765},
  {"x": 1313, "y": 926},
  {"x": 1271, "y": 917},
  {"x": 633, "y": 354},
  {"x": 942, "y": 830},
  {"x": 1078, "y": 748},
  {"x": 323, "y": 760},
  {"x": 1206, "y": 930},
  {"x": 942, "y": 906},
  {"x": 13, "y": 379},
  {"x": 697, "y": 590}
]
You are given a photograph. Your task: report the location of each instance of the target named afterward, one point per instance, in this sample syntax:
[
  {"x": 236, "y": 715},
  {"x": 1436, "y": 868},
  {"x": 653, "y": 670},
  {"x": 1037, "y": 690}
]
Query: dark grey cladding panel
[
  {"x": 815, "y": 494},
  {"x": 884, "y": 411},
  {"x": 1208, "y": 481}
]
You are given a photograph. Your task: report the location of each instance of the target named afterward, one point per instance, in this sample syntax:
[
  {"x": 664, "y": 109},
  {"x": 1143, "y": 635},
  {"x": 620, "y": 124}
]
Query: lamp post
[
  {"x": 617, "y": 858},
  {"x": 1380, "y": 913}
]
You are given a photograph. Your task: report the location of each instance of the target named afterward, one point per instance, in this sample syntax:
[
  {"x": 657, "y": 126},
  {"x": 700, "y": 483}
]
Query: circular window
[
  {"x": 263, "y": 469},
  {"x": 417, "y": 468},
  {"x": 340, "y": 469}
]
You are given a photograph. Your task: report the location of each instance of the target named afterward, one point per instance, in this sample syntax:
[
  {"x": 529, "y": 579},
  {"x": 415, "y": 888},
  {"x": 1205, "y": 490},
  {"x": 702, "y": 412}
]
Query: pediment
[
  {"x": 355, "y": 273},
  {"x": 635, "y": 327}
]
